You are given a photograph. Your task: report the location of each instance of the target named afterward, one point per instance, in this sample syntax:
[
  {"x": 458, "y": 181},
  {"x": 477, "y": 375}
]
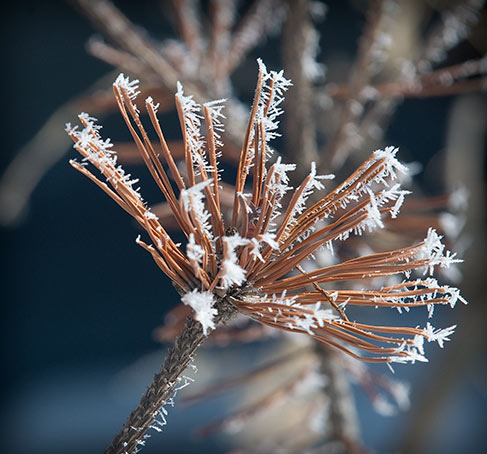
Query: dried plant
[
  {"x": 250, "y": 263},
  {"x": 259, "y": 251}
]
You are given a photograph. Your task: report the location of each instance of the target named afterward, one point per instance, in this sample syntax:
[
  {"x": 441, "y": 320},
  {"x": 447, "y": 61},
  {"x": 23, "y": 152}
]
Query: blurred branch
[
  {"x": 275, "y": 397},
  {"x": 261, "y": 19},
  {"x": 465, "y": 162},
  {"x": 119, "y": 59},
  {"x": 343, "y": 419},
  {"x": 462, "y": 17},
  {"x": 253, "y": 374},
  {"x": 300, "y": 127},
  {"x": 453, "y": 27},
  {"x": 363, "y": 69},
  {"x": 188, "y": 22},
  {"x": 110, "y": 20},
  {"x": 441, "y": 82},
  {"x": 48, "y": 145},
  {"x": 115, "y": 26},
  {"x": 223, "y": 14}
]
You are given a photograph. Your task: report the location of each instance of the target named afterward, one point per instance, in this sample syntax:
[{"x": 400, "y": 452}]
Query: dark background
[{"x": 80, "y": 299}]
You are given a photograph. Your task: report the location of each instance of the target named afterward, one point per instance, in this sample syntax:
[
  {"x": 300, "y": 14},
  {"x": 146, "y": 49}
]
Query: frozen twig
[{"x": 163, "y": 385}]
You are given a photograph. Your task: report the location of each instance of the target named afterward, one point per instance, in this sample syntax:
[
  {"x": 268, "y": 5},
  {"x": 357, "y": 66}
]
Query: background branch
[{"x": 300, "y": 138}]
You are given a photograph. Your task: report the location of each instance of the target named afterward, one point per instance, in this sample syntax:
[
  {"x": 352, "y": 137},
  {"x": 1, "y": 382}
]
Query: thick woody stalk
[{"x": 163, "y": 385}]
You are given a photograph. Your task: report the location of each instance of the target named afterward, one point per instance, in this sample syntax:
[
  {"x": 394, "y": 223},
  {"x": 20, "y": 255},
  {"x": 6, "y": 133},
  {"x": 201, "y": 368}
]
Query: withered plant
[
  {"x": 256, "y": 249},
  {"x": 250, "y": 263}
]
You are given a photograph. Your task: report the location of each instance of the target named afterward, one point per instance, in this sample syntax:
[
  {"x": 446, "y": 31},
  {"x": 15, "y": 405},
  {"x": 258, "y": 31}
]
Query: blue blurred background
[{"x": 80, "y": 299}]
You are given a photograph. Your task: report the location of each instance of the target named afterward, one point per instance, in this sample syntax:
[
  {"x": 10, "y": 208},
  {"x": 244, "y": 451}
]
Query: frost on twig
[{"x": 246, "y": 265}]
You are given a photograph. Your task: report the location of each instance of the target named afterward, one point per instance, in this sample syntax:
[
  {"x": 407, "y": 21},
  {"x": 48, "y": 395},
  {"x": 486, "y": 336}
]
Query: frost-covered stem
[
  {"x": 343, "y": 420},
  {"x": 300, "y": 128},
  {"x": 163, "y": 384}
]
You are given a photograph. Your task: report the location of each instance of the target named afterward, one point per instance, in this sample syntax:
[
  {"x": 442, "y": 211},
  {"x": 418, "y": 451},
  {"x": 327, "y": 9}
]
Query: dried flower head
[{"x": 251, "y": 262}]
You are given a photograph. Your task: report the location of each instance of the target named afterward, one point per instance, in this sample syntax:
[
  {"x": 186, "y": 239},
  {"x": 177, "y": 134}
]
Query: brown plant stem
[{"x": 164, "y": 383}]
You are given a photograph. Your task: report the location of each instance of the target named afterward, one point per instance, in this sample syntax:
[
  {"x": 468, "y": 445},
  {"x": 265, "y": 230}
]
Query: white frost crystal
[
  {"x": 202, "y": 303},
  {"x": 232, "y": 272},
  {"x": 193, "y": 250}
]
